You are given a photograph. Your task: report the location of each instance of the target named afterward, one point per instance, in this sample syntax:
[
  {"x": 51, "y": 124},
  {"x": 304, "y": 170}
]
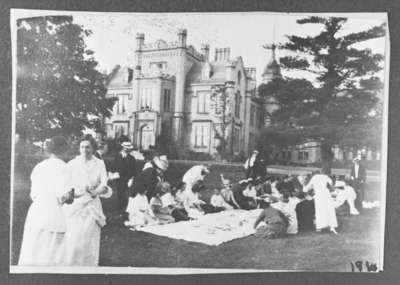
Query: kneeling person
[{"x": 271, "y": 223}]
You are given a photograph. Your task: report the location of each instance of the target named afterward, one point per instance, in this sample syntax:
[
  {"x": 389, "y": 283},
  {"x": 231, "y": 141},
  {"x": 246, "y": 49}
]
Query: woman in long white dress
[
  {"x": 85, "y": 216},
  {"x": 44, "y": 232},
  {"x": 325, "y": 213}
]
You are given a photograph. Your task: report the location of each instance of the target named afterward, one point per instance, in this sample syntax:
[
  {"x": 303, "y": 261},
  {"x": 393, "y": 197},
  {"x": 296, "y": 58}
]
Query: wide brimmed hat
[
  {"x": 127, "y": 145},
  {"x": 161, "y": 162},
  {"x": 340, "y": 184}
]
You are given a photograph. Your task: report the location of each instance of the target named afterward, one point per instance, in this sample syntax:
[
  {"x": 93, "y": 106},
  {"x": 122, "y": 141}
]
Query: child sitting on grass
[
  {"x": 161, "y": 209},
  {"x": 227, "y": 193},
  {"x": 271, "y": 223},
  {"x": 140, "y": 212},
  {"x": 218, "y": 202}
]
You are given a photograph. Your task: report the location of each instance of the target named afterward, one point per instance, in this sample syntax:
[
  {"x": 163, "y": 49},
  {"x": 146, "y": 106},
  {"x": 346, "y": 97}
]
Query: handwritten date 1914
[{"x": 363, "y": 266}]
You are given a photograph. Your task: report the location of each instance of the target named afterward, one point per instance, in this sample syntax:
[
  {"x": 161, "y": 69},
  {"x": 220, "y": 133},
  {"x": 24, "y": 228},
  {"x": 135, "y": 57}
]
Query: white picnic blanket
[{"x": 210, "y": 229}]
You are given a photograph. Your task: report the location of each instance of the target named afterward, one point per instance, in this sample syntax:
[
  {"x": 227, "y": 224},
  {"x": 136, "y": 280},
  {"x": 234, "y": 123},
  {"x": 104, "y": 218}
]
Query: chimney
[
  {"x": 222, "y": 54},
  {"x": 227, "y": 52},
  {"x": 182, "y": 33},
  {"x": 205, "y": 50},
  {"x": 139, "y": 41}
]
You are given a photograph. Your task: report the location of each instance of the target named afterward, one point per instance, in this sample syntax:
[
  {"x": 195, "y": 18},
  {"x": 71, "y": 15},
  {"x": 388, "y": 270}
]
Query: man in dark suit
[
  {"x": 255, "y": 166},
  {"x": 125, "y": 166},
  {"x": 358, "y": 175}
]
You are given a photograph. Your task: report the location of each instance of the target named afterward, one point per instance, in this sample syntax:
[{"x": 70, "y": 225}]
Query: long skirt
[
  {"x": 325, "y": 212},
  {"x": 83, "y": 234},
  {"x": 42, "y": 248}
]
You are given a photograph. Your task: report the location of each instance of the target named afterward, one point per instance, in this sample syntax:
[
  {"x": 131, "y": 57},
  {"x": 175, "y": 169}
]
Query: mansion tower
[{"x": 175, "y": 90}]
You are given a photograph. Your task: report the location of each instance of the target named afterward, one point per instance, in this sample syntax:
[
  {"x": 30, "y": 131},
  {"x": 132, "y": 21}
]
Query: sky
[{"x": 113, "y": 37}]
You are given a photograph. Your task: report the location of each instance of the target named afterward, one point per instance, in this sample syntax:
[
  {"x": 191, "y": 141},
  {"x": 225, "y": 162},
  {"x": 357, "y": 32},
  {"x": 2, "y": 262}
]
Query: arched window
[{"x": 239, "y": 77}]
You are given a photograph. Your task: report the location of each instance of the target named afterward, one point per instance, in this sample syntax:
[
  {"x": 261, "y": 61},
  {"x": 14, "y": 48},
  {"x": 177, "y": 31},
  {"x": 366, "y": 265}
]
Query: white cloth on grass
[
  {"x": 325, "y": 213},
  {"x": 43, "y": 240},
  {"x": 210, "y": 229}
]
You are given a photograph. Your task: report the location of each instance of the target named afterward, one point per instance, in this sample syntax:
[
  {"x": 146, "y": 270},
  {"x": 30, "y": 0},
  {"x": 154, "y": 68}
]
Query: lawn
[{"x": 358, "y": 239}]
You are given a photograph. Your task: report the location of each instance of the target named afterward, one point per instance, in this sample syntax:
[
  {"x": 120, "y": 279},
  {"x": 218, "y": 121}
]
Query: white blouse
[
  {"x": 50, "y": 181},
  {"x": 318, "y": 182},
  {"x": 88, "y": 174},
  {"x": 217, "y": 201}
]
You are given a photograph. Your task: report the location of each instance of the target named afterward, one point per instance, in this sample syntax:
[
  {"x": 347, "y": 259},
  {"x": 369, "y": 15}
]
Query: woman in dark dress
[
  {"x": 305, "y": 211},
  {"x": 245, "y": 203}
]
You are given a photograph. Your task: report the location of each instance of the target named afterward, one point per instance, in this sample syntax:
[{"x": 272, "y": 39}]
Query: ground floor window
[
  {"x": 120, "y": 129},
  {"x": 236, "y": 140},
  {"x": 201, "y": 135}
]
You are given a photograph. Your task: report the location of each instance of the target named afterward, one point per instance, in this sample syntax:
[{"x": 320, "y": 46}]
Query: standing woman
[
  {"x": 325, "y": 213},
  {"x": 44, "y": 232},
  {"x": 85, "y": 216}
]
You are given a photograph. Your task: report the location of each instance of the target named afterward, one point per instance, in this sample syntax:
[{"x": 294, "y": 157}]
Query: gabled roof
[
  {"x": 120, "y": 77},
  {"x": 218, "y": 71}
]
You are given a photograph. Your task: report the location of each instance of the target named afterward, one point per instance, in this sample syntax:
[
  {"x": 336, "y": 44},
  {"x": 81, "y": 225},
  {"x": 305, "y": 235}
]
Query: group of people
[{"x": 64, "y": 221}]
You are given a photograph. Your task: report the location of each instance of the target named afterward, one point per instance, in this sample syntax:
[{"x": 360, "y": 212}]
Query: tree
[
  {"x": 342, "y": 103},
  {"x": 59, "y": 89},
  {"x": 222, "y": 110}
]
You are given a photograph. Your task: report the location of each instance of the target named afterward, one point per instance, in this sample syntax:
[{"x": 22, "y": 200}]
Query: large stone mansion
[{"x": 176, "y": 90}]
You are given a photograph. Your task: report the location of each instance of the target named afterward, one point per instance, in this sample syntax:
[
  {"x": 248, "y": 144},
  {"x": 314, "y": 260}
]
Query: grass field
[{"x": 358, "y": 239}]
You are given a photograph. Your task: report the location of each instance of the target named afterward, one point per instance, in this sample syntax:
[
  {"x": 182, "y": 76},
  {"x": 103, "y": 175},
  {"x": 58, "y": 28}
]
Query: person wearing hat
[
  {"x": 358, "y": 175},
  {"x": 125, "y": 166},
  {"x": 271, "y": 223},
  {"x": 345, "y": 193},
  {"x": 255, "y": 166},
  {"x": 148, "y": 178}
]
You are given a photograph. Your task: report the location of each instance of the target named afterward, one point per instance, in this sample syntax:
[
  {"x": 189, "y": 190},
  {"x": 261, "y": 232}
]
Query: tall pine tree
[
  {"x": 342, "y": 105},
  {"x": 59, "y": 89}
]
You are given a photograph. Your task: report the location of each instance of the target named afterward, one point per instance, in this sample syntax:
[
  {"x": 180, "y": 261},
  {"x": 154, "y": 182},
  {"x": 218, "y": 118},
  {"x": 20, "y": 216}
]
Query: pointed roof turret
[{"x": 272, "y": 70}]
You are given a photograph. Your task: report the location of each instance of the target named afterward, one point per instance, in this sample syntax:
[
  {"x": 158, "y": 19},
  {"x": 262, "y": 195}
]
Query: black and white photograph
[{"x": 185, "y": 143}]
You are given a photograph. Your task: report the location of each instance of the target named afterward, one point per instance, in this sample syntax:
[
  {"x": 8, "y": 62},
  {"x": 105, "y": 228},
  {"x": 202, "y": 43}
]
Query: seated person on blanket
[
  {"x": 192, "y": 202},
  {"x": 227, "y": 193},
  {"x": 242, "y": 198},
  {"x": 168, "y": 200},
  {"x": 264, "y": 187},
  {"x": 287, "y": 205},
  {"x": 271, "y": 223},
  {"x": 218, "y": 202},
  {"x": 345, "y": 193},
  {"x": 205, "y": 207},
  {"x": 164, "y": 205},
  {"x": 274, "y": 188},
  {"x": 305, "y": 212},
  {"x": 139, "y": 210},
  {"x": 179, "y": 194},
  {"x": 161, "y": 211}
]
